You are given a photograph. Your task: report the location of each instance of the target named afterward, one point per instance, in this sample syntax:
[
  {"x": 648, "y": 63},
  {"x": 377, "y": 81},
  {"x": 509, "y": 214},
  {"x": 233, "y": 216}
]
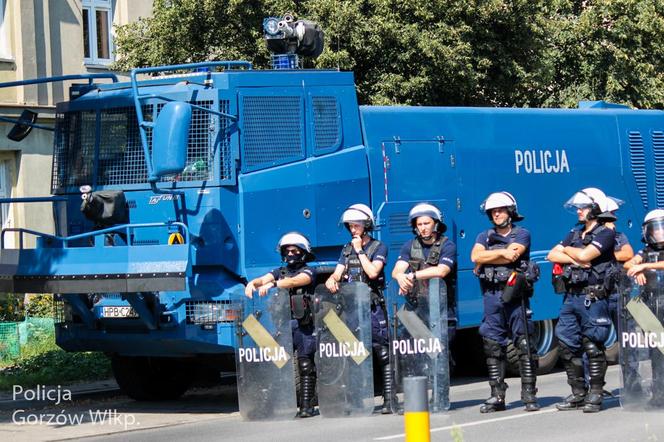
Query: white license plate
[{"x": 118, "y": 312}]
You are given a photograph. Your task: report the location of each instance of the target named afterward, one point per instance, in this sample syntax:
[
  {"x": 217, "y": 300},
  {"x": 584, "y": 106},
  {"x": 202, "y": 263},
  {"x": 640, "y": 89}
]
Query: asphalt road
[{"x": 212, "y": 415}]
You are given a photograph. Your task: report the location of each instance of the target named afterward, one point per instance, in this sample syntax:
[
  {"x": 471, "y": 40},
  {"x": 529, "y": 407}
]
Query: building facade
[{"x": 42, "y": 38}]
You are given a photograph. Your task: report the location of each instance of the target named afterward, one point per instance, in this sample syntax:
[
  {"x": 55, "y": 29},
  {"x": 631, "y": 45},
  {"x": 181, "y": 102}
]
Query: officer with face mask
[
  {"x": 582, "y": 265},
  {"x": 499, "y": 253},
  {"x": 363, "y": 259},
  {"x": 640, "y": 267},
  {"x": 299, "y": 279}
]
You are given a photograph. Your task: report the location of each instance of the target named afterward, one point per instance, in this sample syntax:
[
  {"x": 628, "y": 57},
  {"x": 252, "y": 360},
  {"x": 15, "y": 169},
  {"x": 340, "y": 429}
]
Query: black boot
[
  {"x": 307, "y": 386},
  {"x": 496, "y": 366},
  {"x": 597, "y": 371},
  {"x": 390, "y": 403},
  {"x": 528, "y": 372},
  {"x": 574, "y": 369}
]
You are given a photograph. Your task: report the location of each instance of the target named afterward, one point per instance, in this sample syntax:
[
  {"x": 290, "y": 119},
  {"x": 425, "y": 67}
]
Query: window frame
[
  {"x": 93, "y": 6},
  {"x": 5, "y": 47}
]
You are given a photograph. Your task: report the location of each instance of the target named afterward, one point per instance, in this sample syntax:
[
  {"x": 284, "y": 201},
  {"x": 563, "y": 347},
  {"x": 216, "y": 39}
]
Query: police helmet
[
  {"x": 653, "y": 228},
  {"x": 501, "y": 199},
  {"x": 358, "y": 213},
  {"x": 590, "y": 197},
  {"x": 612, "y": 205},
  {"x": 298, "y": 240},
  {"x": 426, "y": 209}
]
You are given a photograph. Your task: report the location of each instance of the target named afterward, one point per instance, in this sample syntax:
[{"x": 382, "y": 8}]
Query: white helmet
[
  {"x": 298, "y": 240},
  {"x": 359, "y": 213},
  {"x": 590, "y": 197},
  {"x": 501, "y": 199},
  {"x": 613, "y": 203},
  {"x": 426, "y": 209},
  {"x": 653, "y": 228}
]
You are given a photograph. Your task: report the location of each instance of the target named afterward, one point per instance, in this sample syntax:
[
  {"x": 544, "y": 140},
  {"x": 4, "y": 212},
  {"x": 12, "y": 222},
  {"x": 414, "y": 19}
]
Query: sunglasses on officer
[{"x": 292, "y": 250}]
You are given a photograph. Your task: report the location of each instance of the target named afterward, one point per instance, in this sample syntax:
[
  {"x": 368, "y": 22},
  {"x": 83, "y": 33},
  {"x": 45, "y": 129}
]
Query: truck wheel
[
  {"x": 546, "y": 344},
  {"x": 151, "y": 379},
  {"x": 612, "y": 347}
]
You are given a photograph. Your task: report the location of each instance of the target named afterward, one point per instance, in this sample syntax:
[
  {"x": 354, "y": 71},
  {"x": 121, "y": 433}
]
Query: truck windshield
[{"x": 116, "y": 143}]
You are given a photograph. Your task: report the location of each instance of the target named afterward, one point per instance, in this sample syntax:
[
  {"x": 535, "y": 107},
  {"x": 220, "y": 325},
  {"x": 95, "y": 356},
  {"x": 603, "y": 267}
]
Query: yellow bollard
[{"x": 416, "y": 409}]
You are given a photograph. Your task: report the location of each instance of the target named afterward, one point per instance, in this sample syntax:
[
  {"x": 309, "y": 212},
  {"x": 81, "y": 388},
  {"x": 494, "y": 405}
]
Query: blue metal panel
[
  {"x": 272, "y": 122},
  {"x": 658, "y": 154},
  {"x": 307, "y": 196},
  {"x": 541, "y": 156}
]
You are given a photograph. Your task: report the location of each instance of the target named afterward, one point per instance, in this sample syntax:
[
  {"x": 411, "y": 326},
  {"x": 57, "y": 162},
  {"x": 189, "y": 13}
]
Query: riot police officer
[
  {"x": 499, "y": 254},
  {"x": 298, "y": 278},
  {"x": 623, "y": 252},
  {"x": 429, "y": 255},
  {"x": 363, "y": 259},
  {"x": 582, "y": 264},
  {"x": 651, "y": 258}
]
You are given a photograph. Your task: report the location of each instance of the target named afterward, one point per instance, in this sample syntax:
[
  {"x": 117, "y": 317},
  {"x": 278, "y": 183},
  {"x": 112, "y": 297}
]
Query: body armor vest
[
  {"x": 417, "y": 262},
  {"x": 492, "y": 275},
  {"x": 651, "y": 255},
  {"x": 300, "y": 297},
  {"x": 354, "y": 270},
  {"x": 579, "y": 277}
]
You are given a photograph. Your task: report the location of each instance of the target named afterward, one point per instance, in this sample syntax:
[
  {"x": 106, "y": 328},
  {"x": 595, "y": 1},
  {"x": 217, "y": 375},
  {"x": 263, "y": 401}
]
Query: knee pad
[
  {"x": 493, "y": 349},
  {"x": 566, "y": 353},
  {"x": 522, "y": 345},
  {"x": 592, "y": 349},
  {"x": 306, "y": 366},
  {"x": 382, "y": 353}
]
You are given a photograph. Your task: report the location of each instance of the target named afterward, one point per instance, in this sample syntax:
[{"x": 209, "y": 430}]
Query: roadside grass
[{"x": 44, "y": 363}]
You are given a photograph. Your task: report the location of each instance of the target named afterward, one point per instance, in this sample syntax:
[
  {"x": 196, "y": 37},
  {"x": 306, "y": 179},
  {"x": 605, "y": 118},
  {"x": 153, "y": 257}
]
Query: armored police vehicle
[{"x": 190, "y": 174}]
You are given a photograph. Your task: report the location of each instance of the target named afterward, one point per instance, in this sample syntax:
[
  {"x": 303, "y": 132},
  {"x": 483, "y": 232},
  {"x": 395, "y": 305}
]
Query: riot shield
[
  {"x": 264, "y": 357},
  {"x": 419, "y": 344},
  {"x": 344, "y": 364},
  {"x": 641, "y": 336}
]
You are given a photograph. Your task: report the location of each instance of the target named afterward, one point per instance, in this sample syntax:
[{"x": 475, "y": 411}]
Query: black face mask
[{"x": 294, "y": 260}]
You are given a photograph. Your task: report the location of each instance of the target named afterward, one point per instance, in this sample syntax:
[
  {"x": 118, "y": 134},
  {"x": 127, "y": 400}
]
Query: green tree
[
  {"x": 608, "y": 49},
  {"x": 435, "y": 52}
]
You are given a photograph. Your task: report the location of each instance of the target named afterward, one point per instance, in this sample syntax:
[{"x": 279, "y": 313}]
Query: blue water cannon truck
[{"x": 171, "y": 190}]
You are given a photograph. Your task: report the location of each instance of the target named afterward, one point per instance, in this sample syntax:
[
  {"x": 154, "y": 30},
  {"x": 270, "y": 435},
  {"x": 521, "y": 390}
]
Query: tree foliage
[{"x": 435, "y": 52}]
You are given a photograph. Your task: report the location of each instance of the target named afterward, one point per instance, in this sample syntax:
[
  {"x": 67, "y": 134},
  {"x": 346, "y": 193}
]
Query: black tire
[
  {"x": 612, "y": 347},
  {"x": 547, "y": 345},
  {"x": 151, "y": 379}
]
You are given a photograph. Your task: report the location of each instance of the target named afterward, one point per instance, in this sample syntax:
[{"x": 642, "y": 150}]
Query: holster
[
  {"x": 595, "y": 291},
  {"x": 519, "y": 288},
  {"x": 300, "y": 308},
  {"x": 559, "y": 284}
]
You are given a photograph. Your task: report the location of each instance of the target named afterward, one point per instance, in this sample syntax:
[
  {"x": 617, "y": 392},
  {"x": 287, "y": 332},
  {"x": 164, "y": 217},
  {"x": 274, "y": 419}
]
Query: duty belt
[{"x": 593, "y": 293}]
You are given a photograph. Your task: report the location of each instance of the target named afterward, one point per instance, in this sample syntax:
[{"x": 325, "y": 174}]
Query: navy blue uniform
[
  {"x": 502, "y": 321},
  {"x": 376, "y": 251},
  {"x": 581, "y": 316},
  {"x": 621, "y": 240},
  {"x": 304, "y": 340},
  {"x": 447, "y": 257}
]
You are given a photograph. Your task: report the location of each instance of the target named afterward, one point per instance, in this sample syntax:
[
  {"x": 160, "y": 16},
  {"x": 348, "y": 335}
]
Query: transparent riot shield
[
  {"x": 641, "y": 336},
  {"x": 419, "y": 344},
  {"x": 344, "y": 364},
  {"x": 264, "y": 357}
]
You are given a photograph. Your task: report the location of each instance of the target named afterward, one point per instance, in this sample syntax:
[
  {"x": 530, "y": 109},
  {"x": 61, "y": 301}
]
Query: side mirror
[
  {"x": 170, "y": 138},
  {"x": 23, "y": 126}
]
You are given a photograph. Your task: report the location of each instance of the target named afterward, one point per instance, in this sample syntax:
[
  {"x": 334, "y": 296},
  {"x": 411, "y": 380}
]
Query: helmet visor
[
  {"x": 578, "y": 201},
  {"x": 653, "y": 232}
]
